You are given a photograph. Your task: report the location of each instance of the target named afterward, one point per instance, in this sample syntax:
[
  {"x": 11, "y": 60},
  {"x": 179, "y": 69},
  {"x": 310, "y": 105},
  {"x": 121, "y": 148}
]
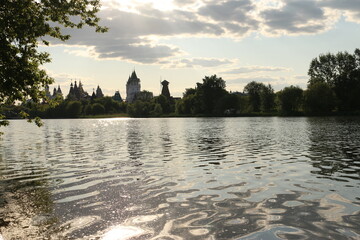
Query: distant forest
[{"x": 333, "y": 89}]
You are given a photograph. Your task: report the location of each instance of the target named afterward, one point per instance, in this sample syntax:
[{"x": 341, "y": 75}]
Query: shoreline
[{"x": 261, "y": 115}]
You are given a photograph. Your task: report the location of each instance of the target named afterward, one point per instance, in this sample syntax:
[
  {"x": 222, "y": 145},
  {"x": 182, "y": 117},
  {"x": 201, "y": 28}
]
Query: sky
[{"x": 182, "y": 41}]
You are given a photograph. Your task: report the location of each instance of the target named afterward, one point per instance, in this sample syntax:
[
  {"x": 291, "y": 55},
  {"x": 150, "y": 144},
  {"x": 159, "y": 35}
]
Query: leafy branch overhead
[{"x": 23, "y": 25}]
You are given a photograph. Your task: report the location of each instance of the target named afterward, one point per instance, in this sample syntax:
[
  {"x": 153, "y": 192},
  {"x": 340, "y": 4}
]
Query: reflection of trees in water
[
  {"x": 166, "y": 143},
  {"x": 135, "y": 139},
  {"x": 257, "y": 137},
  {"x": 335, "y": 147},
  {"x": 210, "y": 141}
]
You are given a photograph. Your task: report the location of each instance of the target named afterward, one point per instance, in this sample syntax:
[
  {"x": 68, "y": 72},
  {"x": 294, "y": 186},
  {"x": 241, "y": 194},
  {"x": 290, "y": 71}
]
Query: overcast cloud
[
  {"x": 134, "y": 36},
  {"x": 255, "y": 69}
]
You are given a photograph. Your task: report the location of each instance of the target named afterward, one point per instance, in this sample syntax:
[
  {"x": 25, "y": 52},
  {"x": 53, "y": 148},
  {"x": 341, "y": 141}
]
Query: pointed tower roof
[
  {"x": 165, "y": 89},
  {"x": 133, "y": 79},
  {"x": 133, "y": 75},
  {"x": 59, "y": 90},
  {"x": 99, "y": 92}
]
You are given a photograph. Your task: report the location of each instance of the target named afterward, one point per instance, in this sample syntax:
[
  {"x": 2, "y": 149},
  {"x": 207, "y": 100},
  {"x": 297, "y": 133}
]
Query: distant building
[
  {"x": 93, "y": 96},
  {"x": 117, "y": 97},
  {"x": 77, "y": 92},
  {"x": 165, "y": 89},
  {"x": 57, "y": 92},
  {"x": 132, "y": 87},
  {"x": 71, "y": 92},
  {"x": 144, "y": 96},
  {"x": 47, "y": 92},
  {"x": 99, "y": 93}
]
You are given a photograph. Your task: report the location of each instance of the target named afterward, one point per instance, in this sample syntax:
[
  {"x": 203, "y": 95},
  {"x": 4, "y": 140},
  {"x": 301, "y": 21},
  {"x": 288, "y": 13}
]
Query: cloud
[
  {"x": 262, "y": 79},
  {"x": 278, "y": 83},
  {"x": 350, "y": 5},
  {"x": 235, "y": 11},
  {"x": 301, "y": 77},
  {"x": 64, "y": 80},
  {"x": 199, "y": 62},
  {"x": 350, "y": 8},
  {"x": 233, "y": 16},
  {"x": 137, "y": 28},
  {"x": 129, "y": 36},
  {"x": 183, "y": 2},
  {"x": 255, "y": 69},
  {"x": 295, "y": 17}
]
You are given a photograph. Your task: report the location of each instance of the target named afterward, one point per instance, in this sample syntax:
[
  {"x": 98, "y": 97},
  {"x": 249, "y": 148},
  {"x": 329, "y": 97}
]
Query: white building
[{"x": 132, "y": 87}]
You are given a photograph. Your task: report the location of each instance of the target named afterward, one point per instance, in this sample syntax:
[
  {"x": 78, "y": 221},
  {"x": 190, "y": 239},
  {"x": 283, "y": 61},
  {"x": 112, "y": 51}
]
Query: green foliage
[
  {"x": 164, "y": 103},
  {"x": 267, "y": 98},
  {"x": 290, "y": 100},
  {"x": 227, "y": 105},
  {"x": 190, "y": 104},
  {"x": 111, "y": 105},
  {"x": 88, "y": 110},
  {"x": 202, "y": 99},
  {"x": 341, "y": 72},
  {"x": 209, "y": 92},
  {"x": 189, "y": 91},
  {"x": 261, "y": 97},
  {"x": 140, "y": 109},
  {"x": 3, "y": 122},
  {"x": 73, "y": 108},
  {"x": 319, "y": 98},
  {"x": 158, "y": 111},
  {"x": 243, "y": 104},
  {"x": 253, "y": 89},
  {"x": 97, "y": 109},
  {"x": 144, "y": 95},
  {"x": 23, "y": 24}
]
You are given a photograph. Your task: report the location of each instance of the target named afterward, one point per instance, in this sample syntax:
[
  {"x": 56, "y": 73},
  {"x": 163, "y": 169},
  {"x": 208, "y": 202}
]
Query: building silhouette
[
  {"x": 99, "y": 93},
  {"x": 56, "y": 92},
  {"x": 165, "y": 89},
  {"x": 132, "y": 87},
  {"x": 117, "y": 97},
  {"x": 77, "y": 92}
]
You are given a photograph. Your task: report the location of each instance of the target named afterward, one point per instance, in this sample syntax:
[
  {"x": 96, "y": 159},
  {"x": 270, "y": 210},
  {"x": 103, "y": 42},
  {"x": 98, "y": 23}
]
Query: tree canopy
[
  {"x": 290, "y": 100},
  {"x": 203, "y": 98},
  {"x": 261, "y": 97},
  {"x": 341, "y": 72},
  {"x": 23, "y": 25}
]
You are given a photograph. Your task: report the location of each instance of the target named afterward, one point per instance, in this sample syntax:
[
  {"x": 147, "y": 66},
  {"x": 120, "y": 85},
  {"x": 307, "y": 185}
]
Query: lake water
[{"x": 190, "y": 178}]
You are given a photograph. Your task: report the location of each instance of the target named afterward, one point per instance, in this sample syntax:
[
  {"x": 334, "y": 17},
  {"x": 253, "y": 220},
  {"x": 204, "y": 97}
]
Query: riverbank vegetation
[
  {"x": 333, "y": 89},
  {"x": 24, "y": 26}
]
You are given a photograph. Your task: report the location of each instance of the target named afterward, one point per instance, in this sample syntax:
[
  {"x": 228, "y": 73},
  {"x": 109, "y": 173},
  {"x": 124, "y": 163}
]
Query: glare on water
[{"x": 190, "y": 178}]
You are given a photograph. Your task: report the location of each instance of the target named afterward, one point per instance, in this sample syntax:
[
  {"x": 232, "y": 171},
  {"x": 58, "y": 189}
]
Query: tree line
[{"x": 333, "y": 89}]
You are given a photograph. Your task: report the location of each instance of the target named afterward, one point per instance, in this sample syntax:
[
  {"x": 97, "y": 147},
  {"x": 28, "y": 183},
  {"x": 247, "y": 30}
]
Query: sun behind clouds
[{"x": 130, "y": 5}]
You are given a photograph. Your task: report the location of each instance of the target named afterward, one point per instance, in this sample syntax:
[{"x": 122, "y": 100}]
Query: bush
[
  {"x": 97, "y": 109},
  {"x": 73, "y": 108}
]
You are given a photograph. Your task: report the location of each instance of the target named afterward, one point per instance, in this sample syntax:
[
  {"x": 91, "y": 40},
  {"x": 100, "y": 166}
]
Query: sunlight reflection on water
[
  {"x": 122, "y": 233},
  {"x": 198, "y": 178}
]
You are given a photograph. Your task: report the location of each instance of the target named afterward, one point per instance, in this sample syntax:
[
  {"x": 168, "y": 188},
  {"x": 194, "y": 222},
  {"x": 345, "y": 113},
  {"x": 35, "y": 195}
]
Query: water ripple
[{"x": 218, "y": 178}]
